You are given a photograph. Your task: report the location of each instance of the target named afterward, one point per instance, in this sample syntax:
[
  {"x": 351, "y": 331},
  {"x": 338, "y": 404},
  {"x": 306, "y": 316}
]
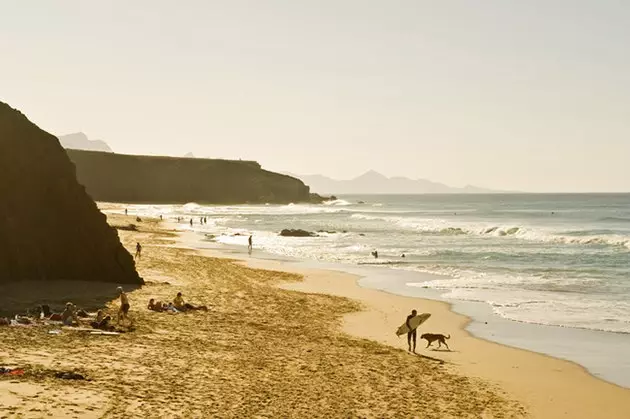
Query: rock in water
[
  {"x": 289, "y": 232},
  {"x": 50, "y": 228}
]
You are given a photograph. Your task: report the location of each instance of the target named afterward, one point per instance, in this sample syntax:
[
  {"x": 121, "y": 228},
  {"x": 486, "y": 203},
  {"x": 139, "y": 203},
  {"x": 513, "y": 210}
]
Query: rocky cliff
[
  {"x": 50, "y": 229},
  {"x": 151, "y": 179}
]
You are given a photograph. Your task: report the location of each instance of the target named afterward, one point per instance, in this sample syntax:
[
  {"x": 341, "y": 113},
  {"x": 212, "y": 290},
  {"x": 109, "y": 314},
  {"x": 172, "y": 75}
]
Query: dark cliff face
[
  {"x": 50, "y": 229},
  {"x": 149, "y": 179}
]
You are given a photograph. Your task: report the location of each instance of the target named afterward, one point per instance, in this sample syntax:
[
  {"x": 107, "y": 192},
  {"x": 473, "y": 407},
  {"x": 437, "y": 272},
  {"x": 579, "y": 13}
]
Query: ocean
[{"x": 560, "y": 260}]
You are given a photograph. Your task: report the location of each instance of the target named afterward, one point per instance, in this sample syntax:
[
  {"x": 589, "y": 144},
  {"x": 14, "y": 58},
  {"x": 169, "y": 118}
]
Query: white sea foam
[{"x": 527, "y": 265}]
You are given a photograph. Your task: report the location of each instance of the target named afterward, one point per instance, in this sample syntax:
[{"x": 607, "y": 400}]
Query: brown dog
[{"x": 432, "y": 337}]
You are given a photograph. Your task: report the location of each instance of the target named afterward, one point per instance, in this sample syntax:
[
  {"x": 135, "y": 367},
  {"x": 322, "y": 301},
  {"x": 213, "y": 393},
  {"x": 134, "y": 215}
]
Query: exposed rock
[
  {"x": 128, "y": 227},
  {"x": 50, "y": 229},
  {"x": 155, "y": 179},
  {"x": 297, "y": 233}
]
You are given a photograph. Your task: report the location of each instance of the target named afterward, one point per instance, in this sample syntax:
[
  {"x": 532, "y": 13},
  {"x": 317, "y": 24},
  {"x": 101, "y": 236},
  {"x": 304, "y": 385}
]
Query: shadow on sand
[
  {"x": 17, "y": 297},
  {"x": 438, "y": 360}
]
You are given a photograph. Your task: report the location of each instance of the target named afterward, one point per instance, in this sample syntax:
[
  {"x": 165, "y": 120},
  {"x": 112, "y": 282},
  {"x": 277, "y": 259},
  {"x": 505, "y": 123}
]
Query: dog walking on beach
[{"x": 432, "y": 337}]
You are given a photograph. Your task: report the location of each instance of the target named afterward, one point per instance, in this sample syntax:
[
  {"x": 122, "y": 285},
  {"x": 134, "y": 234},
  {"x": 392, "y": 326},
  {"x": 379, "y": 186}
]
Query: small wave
[
  {"x": 616, "y": 219},
  {"x": 452, "y": 231},
  {"x": 191, "y": 206},
  {"x": 385, "y": 263},
  {"x": 338, "y": 202}
]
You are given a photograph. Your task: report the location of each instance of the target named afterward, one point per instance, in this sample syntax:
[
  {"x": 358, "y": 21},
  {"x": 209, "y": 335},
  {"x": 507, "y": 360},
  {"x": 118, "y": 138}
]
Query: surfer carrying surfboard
[
  {"x": 413, "y": 333},
  {"x": 414, "y": 320}
]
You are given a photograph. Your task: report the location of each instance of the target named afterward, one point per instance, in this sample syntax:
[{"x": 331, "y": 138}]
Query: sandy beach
[{"x": 277, "y": 342}]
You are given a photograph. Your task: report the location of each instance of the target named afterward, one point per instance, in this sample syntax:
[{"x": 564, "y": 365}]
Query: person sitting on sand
[
  {"x": 102, "y": 321},
  {"x": 124, "y": 306},
  {"x": 412, "y": 334},
  {"x": 69, "y": 316},
  {"x": 181, "y": 305},
  {"x": 156, "y": 305}
]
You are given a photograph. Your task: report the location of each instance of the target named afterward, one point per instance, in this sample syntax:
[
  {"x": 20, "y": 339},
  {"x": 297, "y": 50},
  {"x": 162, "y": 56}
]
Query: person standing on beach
[
  {"x": 412, "y": 334},
  {"x": 124, "y": 305},
  {"x": 138, "y": 250},
  {"x": 250, "y": 245}
]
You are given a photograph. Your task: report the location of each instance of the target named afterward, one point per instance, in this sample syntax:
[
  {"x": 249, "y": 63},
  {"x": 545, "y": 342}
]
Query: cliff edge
[
  {"x": 50, "y": 229},
  {"x": 176, "y": 180}
]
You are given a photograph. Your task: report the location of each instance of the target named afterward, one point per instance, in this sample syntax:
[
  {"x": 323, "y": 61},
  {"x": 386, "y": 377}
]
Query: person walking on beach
[
  {"x": 191, "y": 222},
  {"x": 412, "y": 334},
  {"x": 250, "y": 245},
  {"x": 138, "y": 250},
  {"x": 124, "y": 306}
]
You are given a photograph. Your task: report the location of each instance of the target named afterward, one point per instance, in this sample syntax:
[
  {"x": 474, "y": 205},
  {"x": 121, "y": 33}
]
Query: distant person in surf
[
  {"x": 412, "y": 334},
  {"x": 250, "y": 244},
  {"x": 191, "y": 222},
  {"x": 375, "y": 254},
  {"x": 125, "y": 211},
  {"x": 138, "y": 250}
]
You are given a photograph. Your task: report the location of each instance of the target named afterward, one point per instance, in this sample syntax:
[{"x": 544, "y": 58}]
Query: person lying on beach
[
  {"x": 181, "y": 305},
  {"x": 170, "y": 308},
  {"x": 45, "y": 311},
  {"x": 69, "y": 316},
  {"x": 81, "y": 313},
  {"x": 156, "y": 305}
]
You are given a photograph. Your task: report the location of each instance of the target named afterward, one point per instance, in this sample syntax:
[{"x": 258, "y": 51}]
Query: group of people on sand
[
  {"x": 72, "y": 315},
  {"x": 177, "y": 305}
]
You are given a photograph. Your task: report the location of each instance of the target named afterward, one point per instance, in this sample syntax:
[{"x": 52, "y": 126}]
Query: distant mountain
[
  {"x": 375, "y": 183},
  {"x": 80, "y": 141},
  {"x": 189, "y": 155}
]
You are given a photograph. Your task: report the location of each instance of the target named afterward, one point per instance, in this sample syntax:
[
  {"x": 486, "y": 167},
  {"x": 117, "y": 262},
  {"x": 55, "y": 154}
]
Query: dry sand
[{"x": 263, "y": 351}]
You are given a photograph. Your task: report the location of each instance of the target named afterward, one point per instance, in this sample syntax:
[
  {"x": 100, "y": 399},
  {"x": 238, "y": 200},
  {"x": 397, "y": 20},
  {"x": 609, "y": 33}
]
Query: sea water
[{"x": 560, "y": 260}]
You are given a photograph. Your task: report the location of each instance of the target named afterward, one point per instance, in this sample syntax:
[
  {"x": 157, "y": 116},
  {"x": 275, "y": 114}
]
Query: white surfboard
[{"x": 414, "y": 323}]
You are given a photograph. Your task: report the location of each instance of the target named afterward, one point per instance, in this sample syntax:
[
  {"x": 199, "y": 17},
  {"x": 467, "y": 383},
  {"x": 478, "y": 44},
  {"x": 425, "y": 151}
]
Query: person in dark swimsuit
[
  {"x": 412, "y": 334},
  {"x": 138, "y": 250}
]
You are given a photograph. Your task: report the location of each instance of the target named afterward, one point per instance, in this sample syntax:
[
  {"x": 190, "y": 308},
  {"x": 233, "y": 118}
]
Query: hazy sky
[{"x": 526, "y": 94}]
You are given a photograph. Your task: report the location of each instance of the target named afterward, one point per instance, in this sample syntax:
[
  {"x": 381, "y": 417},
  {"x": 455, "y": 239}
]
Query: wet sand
[{"x": 260, "y": 351}]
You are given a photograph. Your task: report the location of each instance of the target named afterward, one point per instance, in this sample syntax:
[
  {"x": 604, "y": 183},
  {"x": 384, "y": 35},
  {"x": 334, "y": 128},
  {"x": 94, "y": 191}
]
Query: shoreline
[
  {"x": 259, "y": 351},
  {"x": 600, "y": 353},
  {"x": 548, "y": 386}
]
